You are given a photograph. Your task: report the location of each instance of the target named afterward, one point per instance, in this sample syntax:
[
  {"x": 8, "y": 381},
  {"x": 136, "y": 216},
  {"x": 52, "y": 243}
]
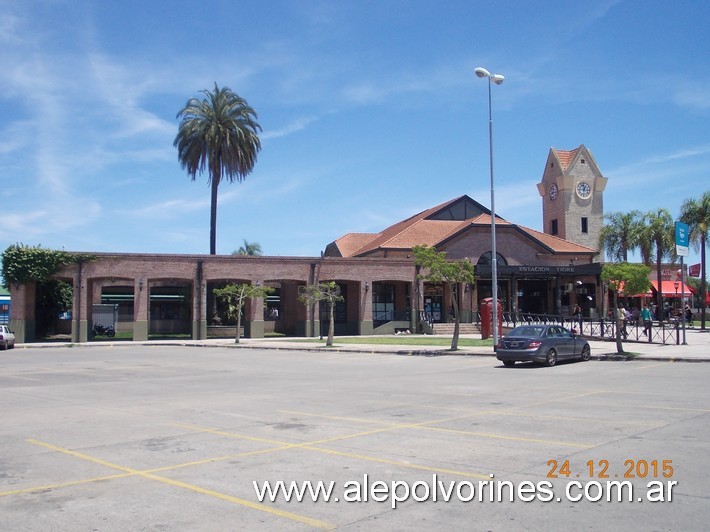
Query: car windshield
[{"x": 527, "y": 331}]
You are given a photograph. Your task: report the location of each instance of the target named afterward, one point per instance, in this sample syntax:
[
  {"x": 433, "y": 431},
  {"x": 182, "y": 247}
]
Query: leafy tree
[
  {"x": 218, "y": 133},
  {"x": 439, "y": 270},
  {"x": 23, "y": 264},
  {"x": 235, "y": 296},
  {"x": 660, "y": 230},
  {"x": 249, "y": 248},
  {"x": 633, "y": 279},
  {"x": 696, "y": 213},
  {"x": 328, "y": 292},
  {"x": 621, "y": 234}
]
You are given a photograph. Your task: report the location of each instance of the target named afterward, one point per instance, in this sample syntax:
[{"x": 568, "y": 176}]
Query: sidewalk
[{"x": 696, "y": 350}]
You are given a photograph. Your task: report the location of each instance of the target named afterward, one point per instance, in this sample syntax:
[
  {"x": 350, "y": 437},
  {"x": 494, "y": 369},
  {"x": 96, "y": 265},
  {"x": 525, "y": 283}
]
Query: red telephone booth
[{"x": 487, "y": 318}]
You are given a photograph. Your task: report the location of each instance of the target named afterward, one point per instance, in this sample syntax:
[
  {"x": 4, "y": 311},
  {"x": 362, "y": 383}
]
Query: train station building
[{"x": 539, "y": 272}]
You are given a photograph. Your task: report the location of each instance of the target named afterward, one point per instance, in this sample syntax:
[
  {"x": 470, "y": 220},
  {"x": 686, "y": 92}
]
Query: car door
[
  {"x": 564, "y": 342},
  {"x": 571, "y": 343}
]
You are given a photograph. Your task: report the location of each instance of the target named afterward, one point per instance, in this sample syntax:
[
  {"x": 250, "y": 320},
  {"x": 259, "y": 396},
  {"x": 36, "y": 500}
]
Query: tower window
[
  {"x": 553, "y": 227},
  {"x": 585, "y": 225}
]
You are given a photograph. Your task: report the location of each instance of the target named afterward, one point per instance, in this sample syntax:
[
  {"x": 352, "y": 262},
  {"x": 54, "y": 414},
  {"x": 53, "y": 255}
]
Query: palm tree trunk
[
  {"x": 703, "y": 281},
  {"x": 659, "y": 295},
  {"x": 213, "y": 214}
]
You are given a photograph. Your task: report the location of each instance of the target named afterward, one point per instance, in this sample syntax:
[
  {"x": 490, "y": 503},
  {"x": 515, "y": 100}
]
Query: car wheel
[
  {"x": 509, "y": 363},
  {"x": 551, "y": 358},
  {"x": 4, "y": 346},
  {"x": 586, "y": 354}
]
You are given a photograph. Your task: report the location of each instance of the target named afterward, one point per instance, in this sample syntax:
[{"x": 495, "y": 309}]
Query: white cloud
[{"x": 295, "y": 126}]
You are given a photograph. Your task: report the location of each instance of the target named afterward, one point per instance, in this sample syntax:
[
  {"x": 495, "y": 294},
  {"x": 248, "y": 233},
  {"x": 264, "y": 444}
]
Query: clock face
[
  {"x": 553, "y": 192},
  {"x": 583, "y": 189}
]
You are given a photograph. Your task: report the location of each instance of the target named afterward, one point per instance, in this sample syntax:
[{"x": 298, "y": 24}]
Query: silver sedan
[{"x": 545, "y": 344}]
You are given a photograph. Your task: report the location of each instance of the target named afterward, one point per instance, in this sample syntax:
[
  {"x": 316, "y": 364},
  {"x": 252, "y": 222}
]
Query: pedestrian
[
  {"x": 577, "y": 316},
  {"x": 647, "y": 320},
  {"x": 621, "y": 316}
]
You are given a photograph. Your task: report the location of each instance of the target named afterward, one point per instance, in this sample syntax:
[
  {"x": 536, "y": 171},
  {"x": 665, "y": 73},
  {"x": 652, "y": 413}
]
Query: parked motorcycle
[{"x": 104, "y": 330}]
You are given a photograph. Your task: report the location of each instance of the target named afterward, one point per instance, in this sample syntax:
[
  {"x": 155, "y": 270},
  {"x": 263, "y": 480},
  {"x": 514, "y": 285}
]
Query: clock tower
[{"x": 572, "y": 191}]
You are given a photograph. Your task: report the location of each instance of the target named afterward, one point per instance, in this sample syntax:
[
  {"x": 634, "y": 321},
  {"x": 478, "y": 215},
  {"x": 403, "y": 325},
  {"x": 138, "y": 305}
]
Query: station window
[
  {"x": 585, "y": 225},
  {"x": 553, "y": 227}
]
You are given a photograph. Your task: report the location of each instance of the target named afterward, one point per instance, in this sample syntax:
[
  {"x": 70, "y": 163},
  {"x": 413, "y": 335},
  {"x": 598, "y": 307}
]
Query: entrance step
[{"x": 447, "y": 329}]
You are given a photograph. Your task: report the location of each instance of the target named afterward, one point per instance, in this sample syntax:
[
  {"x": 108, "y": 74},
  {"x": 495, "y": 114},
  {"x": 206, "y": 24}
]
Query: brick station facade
[
  {"x": 145, "y": 277},
  {"x": 538, "y": 272}
]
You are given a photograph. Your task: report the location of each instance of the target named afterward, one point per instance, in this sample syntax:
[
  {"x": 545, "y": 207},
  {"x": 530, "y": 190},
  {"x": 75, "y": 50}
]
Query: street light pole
[{"x": 497, "y": 79}]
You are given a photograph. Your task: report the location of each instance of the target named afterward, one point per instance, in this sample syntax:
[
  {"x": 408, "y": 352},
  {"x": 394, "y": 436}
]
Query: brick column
[
  {"x": 254, "y": 315},
  {"x": 365, "y": 324},
  {"x": 141, "y": 308},
  {"x": 22, "y": 311}
]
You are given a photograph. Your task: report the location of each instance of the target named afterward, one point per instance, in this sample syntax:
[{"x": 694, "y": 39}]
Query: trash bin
[{"x": 487, "y": 318}]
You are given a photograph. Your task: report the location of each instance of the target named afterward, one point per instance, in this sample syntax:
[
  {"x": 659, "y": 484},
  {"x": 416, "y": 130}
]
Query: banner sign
[
  {"x": 694, "y": 270},
  {"x": 681, "y": 239}
]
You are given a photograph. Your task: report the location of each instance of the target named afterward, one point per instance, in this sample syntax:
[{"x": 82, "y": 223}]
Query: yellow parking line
[
  {"x": 191, "y": 487},
  {"x": 511, "y": 438},
  {"x": 311, "y": 446},
  {"x": 653, "y": 365},
  {"x": 398, "y": 463},
  {"x": 153, "y": 470},
  {"x": 64, "y": 484},
  {"x": 341, "y": 418},
  {"x": 427, "y": 426}
]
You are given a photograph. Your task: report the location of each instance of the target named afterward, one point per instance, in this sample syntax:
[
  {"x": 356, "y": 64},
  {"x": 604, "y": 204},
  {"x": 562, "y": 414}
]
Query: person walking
[
  {"x": 577, "y": 316},
  {"x": 621, "y": 317},
  {"x": 647, "y": 320}
]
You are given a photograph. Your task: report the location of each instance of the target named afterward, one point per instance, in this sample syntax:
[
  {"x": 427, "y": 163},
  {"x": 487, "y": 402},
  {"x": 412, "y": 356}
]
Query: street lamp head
[{"x": 495, "y": 78}]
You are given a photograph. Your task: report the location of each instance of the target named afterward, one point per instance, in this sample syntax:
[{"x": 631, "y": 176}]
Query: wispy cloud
[
  {"x": 656, "y": 165},
  {"x": 168, "y": 209},
  {"x": 293, "y": 127}
]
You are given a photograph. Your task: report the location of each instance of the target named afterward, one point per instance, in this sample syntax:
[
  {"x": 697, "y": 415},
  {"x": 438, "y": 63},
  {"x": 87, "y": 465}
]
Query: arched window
[{"x": 485, "y": 259}]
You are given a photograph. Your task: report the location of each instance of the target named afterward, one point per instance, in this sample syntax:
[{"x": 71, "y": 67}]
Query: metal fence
[{"x": 666, "y": 332}]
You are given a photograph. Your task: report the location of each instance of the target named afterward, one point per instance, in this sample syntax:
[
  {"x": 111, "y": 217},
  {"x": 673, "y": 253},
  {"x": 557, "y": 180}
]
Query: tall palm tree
[
  {"x": 696, "y": 213},
  {"x": 621, "y": 234},
  {"x": 249, "y": 248},
  {"x": 218, "y": 133},
  {"x": 660, "y": 231}
]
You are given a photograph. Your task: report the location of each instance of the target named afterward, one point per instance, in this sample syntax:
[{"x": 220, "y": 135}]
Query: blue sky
[{"x": 370, "y": 111}]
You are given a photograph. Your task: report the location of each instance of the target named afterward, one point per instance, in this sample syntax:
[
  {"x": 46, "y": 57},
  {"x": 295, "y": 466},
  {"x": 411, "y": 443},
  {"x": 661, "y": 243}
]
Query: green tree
[
  {"x": 22, "y": 264},
  {"x": 235, "y": 296},
  {"x": 696, "y": 213},
  {"x": 621, "y": 234},
  {"x": 632, "y": 279},
  {"x": 440, "y": 270},
  {"x": 660, "y": 231},
  {"x": 220, "y": 134},
  {"x": 328, "y": 292},
  {"x": 249, "y": 248}
]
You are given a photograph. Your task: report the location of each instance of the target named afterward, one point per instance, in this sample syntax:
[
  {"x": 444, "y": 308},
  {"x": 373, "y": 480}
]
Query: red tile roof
[
  {"x": 419, "y": 230},
  {"x": 565, "y": 157}
]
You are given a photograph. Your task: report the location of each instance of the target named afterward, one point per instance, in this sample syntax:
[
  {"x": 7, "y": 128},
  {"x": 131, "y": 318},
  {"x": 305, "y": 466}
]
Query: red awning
[{"x": 668, "y": 288}]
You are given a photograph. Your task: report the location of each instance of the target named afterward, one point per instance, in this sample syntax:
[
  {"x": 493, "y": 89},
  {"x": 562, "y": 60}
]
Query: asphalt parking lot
[{"x": 173, "y": 438}]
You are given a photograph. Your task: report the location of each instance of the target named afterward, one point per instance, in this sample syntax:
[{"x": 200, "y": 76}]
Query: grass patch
[{"x": 442, "y": 341}]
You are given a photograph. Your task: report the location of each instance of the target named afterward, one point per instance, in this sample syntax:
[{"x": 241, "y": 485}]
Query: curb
[{"x": 352, "y": 348}]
